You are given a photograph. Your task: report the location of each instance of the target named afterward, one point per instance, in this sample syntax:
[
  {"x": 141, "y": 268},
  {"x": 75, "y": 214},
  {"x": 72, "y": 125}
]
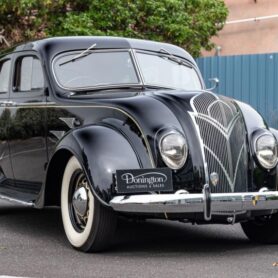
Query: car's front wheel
[
  {"x": 89, "y": 226},
  {"x": 263, "y": 229}
]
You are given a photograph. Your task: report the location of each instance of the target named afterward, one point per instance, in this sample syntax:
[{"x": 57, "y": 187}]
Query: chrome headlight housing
[
  {"x": 173, "y": 149},
  {"x": 266, "y": 150}
]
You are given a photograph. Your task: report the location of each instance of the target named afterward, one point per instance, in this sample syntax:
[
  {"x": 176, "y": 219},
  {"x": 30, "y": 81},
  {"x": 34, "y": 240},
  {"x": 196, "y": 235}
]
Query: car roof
[{"x": 53, "y": 46}]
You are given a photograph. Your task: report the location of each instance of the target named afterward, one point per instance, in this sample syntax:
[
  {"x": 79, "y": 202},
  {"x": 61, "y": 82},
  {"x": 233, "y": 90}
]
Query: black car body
[{"x": 151, "y": 142}]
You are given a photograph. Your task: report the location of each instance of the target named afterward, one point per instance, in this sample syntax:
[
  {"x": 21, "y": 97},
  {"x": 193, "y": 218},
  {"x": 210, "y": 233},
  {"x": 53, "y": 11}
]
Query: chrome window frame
[
  {"x": 32, "y": 91},
  {"x": 137, "y": 69},
  {"x": 2, "y": 61},
  {"x": 154, "y": 53},
  {"x": 107, "y": 86}
]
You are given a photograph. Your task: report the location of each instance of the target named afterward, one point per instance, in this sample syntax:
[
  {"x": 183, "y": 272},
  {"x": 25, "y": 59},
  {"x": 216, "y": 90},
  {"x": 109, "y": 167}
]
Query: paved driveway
[{"x": 32, "y": 244}]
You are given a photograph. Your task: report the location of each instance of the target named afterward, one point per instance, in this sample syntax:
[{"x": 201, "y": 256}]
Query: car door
[
  {"x": 6, "y": 174},
  {"x": 27, "y": 139}
]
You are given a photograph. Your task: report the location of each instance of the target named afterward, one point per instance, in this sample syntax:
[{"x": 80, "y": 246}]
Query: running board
[{"x": 12, "y": 200}]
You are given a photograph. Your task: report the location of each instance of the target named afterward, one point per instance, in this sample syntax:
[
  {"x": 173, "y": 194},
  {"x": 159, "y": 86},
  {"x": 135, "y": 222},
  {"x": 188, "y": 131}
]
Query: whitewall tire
[{"x": 89, "y": 226}]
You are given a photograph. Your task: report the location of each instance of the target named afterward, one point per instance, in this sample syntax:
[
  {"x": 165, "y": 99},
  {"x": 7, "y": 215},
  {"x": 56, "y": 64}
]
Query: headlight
[
  {"x": 266, "y": 150},
  {"x": 173, "y": 148}
]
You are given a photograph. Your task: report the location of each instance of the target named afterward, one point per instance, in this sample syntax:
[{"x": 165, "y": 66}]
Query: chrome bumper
[{"x": 206, "y": 202}]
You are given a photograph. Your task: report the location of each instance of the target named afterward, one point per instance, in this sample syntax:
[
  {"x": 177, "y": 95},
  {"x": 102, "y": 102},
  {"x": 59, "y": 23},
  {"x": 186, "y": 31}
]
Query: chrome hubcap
[{"x": 80, "y": 201}]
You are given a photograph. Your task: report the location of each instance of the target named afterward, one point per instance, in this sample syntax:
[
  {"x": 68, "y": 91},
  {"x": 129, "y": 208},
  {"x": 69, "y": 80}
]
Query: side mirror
[{"x": 215, "y": 83}]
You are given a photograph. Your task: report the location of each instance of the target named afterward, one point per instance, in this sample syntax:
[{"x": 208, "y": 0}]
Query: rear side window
[
  {"x": 28, "y": 75},
  {"x": 5, "y": 68}
]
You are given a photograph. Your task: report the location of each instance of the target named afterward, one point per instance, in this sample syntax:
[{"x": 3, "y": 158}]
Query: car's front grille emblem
[{"x": 214, "y": 178}]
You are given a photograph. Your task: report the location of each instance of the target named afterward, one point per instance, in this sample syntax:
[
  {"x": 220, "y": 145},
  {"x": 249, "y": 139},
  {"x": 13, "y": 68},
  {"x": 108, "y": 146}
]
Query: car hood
[
  {"x": 160, "y": 111},
  {"x": 215, "y": 128},
  {"x": 213, "y": 125}
]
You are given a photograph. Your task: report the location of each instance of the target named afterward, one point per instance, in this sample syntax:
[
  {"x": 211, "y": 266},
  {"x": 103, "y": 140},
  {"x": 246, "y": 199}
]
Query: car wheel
[
  {"x": 89, "y": 226},
  {"x": 263, "y": 229}
]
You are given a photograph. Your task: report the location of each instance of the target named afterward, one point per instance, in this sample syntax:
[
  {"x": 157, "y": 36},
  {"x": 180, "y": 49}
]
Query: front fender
[
  {"x": 101, "y": 151},
  {"x": 253, "y": 119},
  {"x": 274, "y": 132},
  {"x": 259, "y": 176}
]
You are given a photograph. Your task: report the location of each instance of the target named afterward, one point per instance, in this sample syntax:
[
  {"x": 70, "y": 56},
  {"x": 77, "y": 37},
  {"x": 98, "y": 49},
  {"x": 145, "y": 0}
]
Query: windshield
[
  {"x": 116, "y": 68},
  {"x": 96, "y": 69},
  {"x": 163, "y": 71}
]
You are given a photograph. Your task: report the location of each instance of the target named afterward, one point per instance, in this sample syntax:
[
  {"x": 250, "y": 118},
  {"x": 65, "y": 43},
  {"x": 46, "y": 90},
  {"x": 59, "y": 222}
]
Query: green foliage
[
  {"x": 28, "y": 19},
  {"x": 187, "y": 23}
]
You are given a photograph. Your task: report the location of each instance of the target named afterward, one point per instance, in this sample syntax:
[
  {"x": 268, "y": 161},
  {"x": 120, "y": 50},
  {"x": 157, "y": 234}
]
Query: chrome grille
[{"x": 223, "y": 136}]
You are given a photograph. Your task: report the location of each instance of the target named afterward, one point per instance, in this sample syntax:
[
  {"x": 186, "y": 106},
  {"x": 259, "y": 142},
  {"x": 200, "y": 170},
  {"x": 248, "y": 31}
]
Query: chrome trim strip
[
  {"x": 225, "y": 131},
  {"x": 52, "y": 105},
  {"x": 136, "y": 63},
  {"x": 193, "y": 118},
  {"x": 220, "y": 203},
  {"x": 231, "y": 183},
  {"x": 201, "y": 142},
  {"x": 192, "y": 100},
  {"x": 12, "y": 200},
  {"x": 217, "y": 101}
]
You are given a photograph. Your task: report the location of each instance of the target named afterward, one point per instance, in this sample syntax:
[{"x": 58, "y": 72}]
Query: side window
[
  {"x": 5, "y": 67},
  {"x": 28, "y": 74}
]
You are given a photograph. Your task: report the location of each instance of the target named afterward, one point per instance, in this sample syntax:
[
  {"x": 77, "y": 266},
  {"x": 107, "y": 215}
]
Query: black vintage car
[{"x": 104, "y": 127}]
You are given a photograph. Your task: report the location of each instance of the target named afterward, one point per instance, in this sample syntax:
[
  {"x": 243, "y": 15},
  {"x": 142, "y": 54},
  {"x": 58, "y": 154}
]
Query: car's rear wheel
[
  {"x": 89, "y": 226},
  {"x": 263, "y": 229}
]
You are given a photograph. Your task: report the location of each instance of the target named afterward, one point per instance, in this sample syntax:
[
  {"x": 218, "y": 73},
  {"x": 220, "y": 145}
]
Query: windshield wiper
[
  {"x": 175, "y": 59},
  {"x": 81, "y": 55},
  {"x": 116, "y": 88},
  {"x": 100, "y": 89}
]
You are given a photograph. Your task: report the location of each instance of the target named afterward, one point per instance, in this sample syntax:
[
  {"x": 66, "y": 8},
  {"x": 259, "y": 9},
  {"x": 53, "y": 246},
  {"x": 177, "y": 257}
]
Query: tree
[{"x": 187, "y": 23}]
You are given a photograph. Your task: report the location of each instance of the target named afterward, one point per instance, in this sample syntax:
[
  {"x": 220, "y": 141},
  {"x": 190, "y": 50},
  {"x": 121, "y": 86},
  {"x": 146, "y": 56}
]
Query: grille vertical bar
[{"x": 222, "y": 131}]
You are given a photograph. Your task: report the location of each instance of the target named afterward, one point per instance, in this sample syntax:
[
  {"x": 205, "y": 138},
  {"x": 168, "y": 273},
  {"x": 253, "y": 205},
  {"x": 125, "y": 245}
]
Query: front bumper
[{"x": 207, "y": 203}]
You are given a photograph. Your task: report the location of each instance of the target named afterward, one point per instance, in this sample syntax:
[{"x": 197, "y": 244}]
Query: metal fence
[{"x": 250, "y": 78}]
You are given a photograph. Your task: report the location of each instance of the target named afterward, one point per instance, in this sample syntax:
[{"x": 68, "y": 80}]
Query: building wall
[
  {"x": 250, "y": 78},
  {"x": 253, "y": 37}
]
